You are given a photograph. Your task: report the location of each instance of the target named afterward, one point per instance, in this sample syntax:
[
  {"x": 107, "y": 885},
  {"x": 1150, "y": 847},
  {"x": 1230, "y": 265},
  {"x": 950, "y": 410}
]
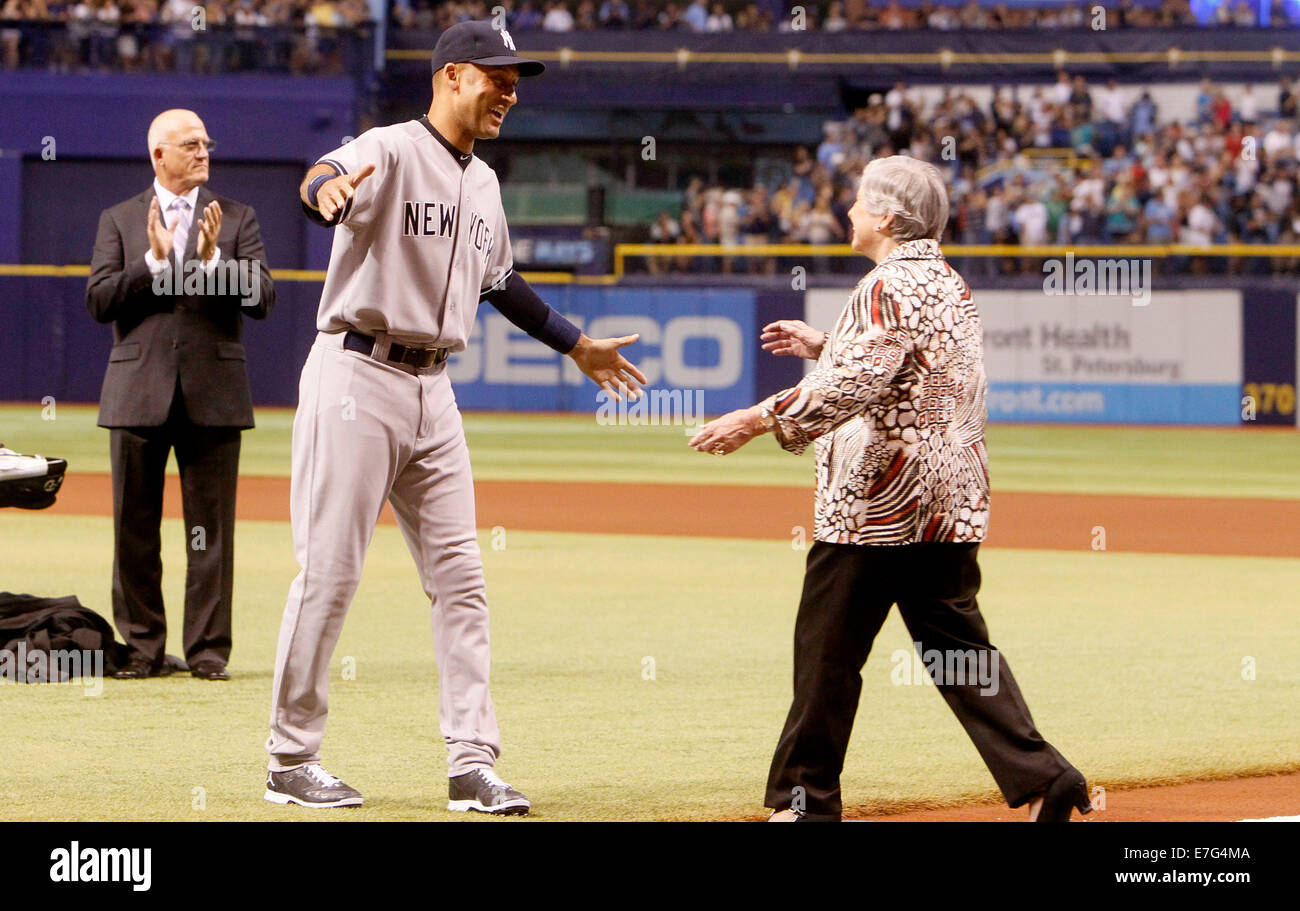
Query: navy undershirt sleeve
[{"x": 519, "y": 303}]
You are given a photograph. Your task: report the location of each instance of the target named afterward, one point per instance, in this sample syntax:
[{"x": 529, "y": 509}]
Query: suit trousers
[
  {"x": 208, "y": 460},
  {"x": 848, "y": 591}
]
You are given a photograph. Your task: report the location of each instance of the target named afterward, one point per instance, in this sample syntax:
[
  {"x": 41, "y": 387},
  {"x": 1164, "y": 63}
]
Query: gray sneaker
[
  {"x": 310, "y": 786},
  {"x": 483, "y": 791}
]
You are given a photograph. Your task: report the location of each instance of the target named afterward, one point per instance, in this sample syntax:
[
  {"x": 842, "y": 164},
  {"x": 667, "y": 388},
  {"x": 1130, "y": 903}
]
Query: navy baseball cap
[{"x": 478, "y": 42}]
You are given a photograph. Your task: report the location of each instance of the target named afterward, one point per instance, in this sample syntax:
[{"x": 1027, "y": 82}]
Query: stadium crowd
[
  {"x": 299, "y": 36},
  {"x": 832, "y": 16},
  {"x": 1040, "y": 165},
  {"x": 302, "y": 35}
]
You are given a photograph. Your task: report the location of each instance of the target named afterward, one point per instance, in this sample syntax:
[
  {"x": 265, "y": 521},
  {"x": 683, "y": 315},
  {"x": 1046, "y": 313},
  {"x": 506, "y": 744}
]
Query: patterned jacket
[{"x": 896, "y": 407}]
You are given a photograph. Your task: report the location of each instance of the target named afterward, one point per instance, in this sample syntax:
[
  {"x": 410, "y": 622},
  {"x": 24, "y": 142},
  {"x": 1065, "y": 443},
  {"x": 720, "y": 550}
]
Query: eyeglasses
[{"x": 191, "y": 146}]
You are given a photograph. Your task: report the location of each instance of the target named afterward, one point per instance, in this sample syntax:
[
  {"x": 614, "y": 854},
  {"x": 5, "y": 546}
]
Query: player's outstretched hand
[
  {"x": 334, "y": 193},
  {"x": 160, "y": 236},
  {"x": 599, "y": 359},
  {"x": 209, "y": 228},
  {"x": 792, "y": 336}
]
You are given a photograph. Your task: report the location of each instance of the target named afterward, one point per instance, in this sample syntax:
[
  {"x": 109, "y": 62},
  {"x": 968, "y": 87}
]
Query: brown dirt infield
[
  {"x": 1174, "y": 525},
  {"x": 1198, "y": 801},
  {"x": 1247, "y": 527}
]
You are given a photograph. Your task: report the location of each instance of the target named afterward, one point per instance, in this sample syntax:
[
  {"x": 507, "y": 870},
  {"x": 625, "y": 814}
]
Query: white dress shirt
[{"x": 167, "y": 202}]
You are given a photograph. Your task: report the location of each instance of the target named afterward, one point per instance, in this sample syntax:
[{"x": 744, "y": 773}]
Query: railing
[
  {"x": 182, "y": 47},
  {"x": 1006, "y": 259},
  {"x": 1002, "y": 259}
]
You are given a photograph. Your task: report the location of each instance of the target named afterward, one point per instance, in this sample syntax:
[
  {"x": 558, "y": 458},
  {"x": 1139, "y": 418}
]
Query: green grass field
[
  {"x": 1112, "y": 460},
  {"x": 647, "y": 678},
  {"x": 1131, "y": 664}
]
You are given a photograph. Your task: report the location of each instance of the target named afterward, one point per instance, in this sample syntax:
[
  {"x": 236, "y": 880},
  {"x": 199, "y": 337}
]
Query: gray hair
[{"x": 912, "y": 190}]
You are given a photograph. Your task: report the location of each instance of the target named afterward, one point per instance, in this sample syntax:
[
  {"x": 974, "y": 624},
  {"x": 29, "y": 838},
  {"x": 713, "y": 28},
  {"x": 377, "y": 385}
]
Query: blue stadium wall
[{"x": 1187, "y": 357}]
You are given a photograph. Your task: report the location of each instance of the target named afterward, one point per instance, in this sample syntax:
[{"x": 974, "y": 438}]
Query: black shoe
[
  {"x": 139, "y": 667},
  {"x": 310, "y": 786},
  {"x": 1068, "y": 791},
  {"x": 482, "y": 790},
  {"x": 210, "y": 670}
]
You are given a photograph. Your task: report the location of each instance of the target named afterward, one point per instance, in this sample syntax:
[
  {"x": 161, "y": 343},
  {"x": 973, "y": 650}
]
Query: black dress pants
[
  {"x": 208, "y": 460},
  {"x": 848, "y": 591}
]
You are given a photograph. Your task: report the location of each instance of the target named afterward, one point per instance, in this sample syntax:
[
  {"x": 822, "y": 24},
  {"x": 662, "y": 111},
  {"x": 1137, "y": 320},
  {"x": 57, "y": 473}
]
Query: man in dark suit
[{"x": 176, "y": 286}]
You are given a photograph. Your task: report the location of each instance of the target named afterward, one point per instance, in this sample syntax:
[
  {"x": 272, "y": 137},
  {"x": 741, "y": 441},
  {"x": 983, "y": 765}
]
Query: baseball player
[{"x": 421, "y": 238}]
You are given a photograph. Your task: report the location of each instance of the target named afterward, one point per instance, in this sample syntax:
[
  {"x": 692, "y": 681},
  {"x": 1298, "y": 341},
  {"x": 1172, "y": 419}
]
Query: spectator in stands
[
  {"x": 1081, "y": 98},
  {"x": 1156, "y": 223},
  {"x": 1287, "y": 97},
  {"x": 835, "y": 20},
  {"x": 1122, "y": 211},
  {"x": 557, "y": 18},
  {"x": 751, "y": 19},
  {"x": 719, "y": 20},
  {"x": 696, "y": 16},
  {"x": 664, "y": 231},
  {"x": 1030, "y": 217},
  {"x": 1200, "y": 224},
  {"x": 1144, "y": 115},
  {"x": 1112, "y": 105},
  {"x": 670, "y": 18},
  {"x": 529, "y": 18},
  {"x": 585, "y": 19},
  {"x": 1248, "y": 107},
  {"x": 10, "y": 37},
  {"x": 1278, "y": 142},
  {"x": 615, "y": 14},
  {"x": 645, "y": 16},
  {"x": 1063, "y": 89}
]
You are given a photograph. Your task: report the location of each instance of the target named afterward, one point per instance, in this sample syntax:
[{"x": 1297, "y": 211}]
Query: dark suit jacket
[{"x": 160, "y": 337}]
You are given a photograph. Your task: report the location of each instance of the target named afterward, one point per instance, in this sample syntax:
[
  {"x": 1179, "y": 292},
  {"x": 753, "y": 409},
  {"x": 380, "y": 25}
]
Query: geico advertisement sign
[{"x": 668, "y": 352}]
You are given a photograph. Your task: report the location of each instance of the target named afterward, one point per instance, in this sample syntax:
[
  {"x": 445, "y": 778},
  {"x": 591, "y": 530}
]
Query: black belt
[{"x": 422, "y": 358}]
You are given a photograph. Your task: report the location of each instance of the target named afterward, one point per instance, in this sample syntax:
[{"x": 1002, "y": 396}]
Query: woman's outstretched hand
[{"x": 792, "y": 336}]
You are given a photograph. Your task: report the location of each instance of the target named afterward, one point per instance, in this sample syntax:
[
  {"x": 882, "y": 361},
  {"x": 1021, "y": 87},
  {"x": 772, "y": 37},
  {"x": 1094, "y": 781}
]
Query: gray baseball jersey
[{"x": 441, "y": 230}]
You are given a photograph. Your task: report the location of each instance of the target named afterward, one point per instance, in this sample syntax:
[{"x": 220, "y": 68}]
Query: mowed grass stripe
[
  {"x": 1187, "y": 462},
  {"x": 647, "y": 678}
]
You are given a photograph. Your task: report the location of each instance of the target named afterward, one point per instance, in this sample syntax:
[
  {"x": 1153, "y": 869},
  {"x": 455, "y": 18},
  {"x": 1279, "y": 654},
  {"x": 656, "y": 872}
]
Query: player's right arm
[
  {"x": 333, "y": 194},
  {"x": 339, "y": 188}
]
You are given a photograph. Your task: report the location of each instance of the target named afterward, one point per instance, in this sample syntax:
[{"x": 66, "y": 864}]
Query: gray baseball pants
[{"x": 364, "y": 432}]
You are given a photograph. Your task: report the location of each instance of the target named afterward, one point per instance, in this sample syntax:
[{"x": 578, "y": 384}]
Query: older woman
[{"x": 896, "y": 410}]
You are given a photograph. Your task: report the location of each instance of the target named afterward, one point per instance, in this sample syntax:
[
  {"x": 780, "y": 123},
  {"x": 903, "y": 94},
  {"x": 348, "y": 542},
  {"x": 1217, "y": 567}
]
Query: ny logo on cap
[{"x": 510, "y": 42}]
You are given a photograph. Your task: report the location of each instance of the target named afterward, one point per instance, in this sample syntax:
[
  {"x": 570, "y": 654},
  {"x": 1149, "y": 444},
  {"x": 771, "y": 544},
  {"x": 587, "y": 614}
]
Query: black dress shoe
[
  {"x": 210, "y": 670},
  {"x": 1068, "y": 791},
  {"x": 138, "y": 668}
]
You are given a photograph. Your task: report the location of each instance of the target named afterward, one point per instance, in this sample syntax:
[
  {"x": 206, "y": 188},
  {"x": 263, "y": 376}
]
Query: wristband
[{"x": 314, "y": 187}]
